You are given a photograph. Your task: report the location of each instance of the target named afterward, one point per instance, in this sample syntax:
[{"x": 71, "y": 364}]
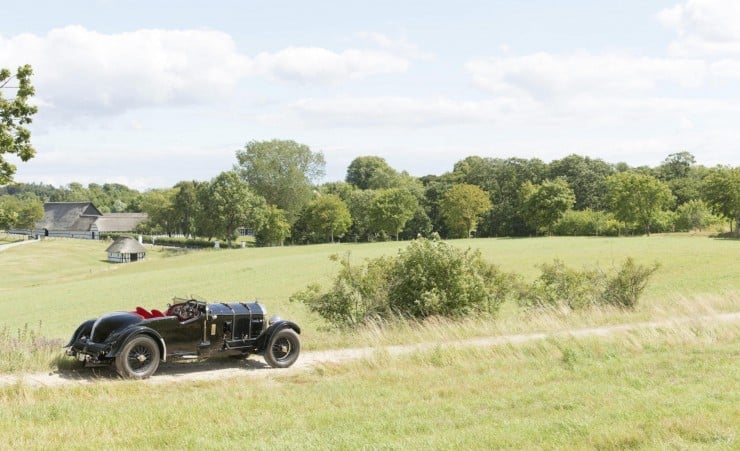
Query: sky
[{"x": 149, "y": 93}]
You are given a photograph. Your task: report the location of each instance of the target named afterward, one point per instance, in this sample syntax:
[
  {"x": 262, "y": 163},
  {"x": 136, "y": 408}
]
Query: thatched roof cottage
[
  {"x": 83, "y": 220},
  {"x": 125, "y": 250}
]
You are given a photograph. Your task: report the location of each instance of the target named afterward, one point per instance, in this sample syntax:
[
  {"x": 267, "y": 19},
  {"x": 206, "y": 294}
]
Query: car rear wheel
[
  {"x": 283, "y": 349},
  {"x": 139, "y": 358}
]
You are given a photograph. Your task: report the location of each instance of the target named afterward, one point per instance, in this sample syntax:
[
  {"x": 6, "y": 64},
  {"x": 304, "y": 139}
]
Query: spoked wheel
[
  {"x": 283, "y": 349},
  {"x": 139, "y": 358}
]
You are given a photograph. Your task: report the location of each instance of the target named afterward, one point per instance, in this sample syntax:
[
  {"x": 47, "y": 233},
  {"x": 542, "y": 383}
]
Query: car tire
[
  {"x": 139, "y": 358},
  {"x": 283, "y": 349}
]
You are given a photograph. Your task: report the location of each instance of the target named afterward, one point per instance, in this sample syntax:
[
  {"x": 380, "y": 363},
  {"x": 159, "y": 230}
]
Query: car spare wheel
[
  {"x": 283, "y": 349},
  {"x": 139, "y": 358}
]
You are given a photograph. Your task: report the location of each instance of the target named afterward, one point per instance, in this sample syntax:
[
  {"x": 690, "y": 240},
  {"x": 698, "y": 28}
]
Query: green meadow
[
  {"x": 671, "y": 387},
  {"x": 59, "y": 283}
]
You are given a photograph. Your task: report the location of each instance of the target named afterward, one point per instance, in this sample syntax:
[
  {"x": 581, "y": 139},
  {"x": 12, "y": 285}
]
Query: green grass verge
[{"x": 671, "y": 388}]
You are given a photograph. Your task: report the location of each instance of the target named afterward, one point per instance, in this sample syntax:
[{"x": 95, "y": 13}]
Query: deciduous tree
[
  {"x": 462, "y": 205},
  {"x": 638, "y": 198},
  {"x": 15, "y": 113},
  {"x": 722, "y": 192},
  {"x": 282, "y": 172},
  {"x": 391, "y": 209},
  {"x": 228, "y": 204},
  {"x": 275, "y": 228},
  {"x": 372, "y": 172},
  {"x": 328, "y": 215},
  {"x": 16, "y": 213},
  {"x": 544, "y": 204}
]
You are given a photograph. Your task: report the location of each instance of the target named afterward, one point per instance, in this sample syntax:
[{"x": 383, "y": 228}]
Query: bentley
[{"x": 135, "y": 342}]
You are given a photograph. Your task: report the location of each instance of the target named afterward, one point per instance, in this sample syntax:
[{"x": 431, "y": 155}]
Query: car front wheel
[
  {"x": 283, "y": 349},
  {"x": 139, "y": 358}
]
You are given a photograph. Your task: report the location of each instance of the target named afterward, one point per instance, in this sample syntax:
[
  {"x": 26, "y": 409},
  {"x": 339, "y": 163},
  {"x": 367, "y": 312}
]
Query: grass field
[
  {"x": 675, "y": 387},
  {"x": 671, "y": 388},
  {"x": 62, "y": 282}
]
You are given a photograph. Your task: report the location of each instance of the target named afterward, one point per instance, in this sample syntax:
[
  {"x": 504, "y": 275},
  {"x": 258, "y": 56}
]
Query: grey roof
[
  {"x": 120, "y": 222},
  {"x": 125, "y": 245},
  {"x": 80, "y": 217},
  {"x": 68, "y": 216}
]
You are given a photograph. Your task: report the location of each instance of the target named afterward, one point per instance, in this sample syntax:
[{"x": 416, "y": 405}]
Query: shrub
[
  {"x": 625, "y": 287},
  {"x": 694, "y": 214},
  {"x": 559, "y": 286},
  {"x": 431, "y": 278},
  {"x": 428, "y": 278},
  {"x": 587, "y": 223},
  {"x": 358, "y": 294}
]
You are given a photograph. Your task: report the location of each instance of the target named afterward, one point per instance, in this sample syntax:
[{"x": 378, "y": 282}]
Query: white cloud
[
  {"x": 79, "y": 69},
  {"x": 82, "y": 72},
  {"x": 313, "y": 64},
  {"x": 704, "y": 27},
  {"x": 402, "y": 111},
  {"x": 544, "y": 76},
  {"x": 400, "y": 46}
]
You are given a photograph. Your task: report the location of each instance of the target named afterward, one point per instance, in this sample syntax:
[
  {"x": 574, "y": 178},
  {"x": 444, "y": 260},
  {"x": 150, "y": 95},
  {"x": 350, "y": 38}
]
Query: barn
[
  {"x": 83, "y": 220},
  {"x": 125, "y": 250}
]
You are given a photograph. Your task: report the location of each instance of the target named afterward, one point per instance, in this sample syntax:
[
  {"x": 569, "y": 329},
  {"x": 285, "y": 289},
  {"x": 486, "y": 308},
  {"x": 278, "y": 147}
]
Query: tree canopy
[
  {"x": 372, "y": 173},
  {"x": 15, "y": 113},
  {"x": 638, "y": 198},
  {"x": 543, "y": 204},
  {"x": 722, "y": 191},
  {"x": 462, "y": 205},
  {"x": 328, "y": 215},
  {"x": 228, "y": 204},
  {"x": 391, "y": 210},
  {"x": 283, "y": 172}
]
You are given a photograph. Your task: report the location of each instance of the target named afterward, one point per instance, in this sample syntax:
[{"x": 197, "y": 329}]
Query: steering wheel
[{"x": 191, "y": 309}]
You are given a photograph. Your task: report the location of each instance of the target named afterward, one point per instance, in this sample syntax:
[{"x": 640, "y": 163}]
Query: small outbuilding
[{"x": 125, "y": 250}]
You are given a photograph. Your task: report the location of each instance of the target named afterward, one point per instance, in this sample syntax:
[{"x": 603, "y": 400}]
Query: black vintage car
[{"x": 135, "y": 342}]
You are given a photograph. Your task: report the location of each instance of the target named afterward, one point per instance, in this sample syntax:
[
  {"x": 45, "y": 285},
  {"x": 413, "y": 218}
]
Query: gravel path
[
  {"x": 17, "y": 243},
  {"x": 255, "y": 367}
]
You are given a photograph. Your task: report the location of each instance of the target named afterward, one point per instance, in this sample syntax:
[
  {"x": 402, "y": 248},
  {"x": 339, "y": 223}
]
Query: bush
[
  {"x": 587, "y": 223},
  {"x": 694, "y": 214},
  {"x": 432, "y": 278},
  {"x": 428, "y": 278},
  {"x": 559, "y": 286},
  {"x": 625, "y": 287},
  {"x": 358, "y": 294}
]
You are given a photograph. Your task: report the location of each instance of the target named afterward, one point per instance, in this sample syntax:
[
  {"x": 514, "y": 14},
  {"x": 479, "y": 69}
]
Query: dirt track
[{"x": 255, "y": 366}]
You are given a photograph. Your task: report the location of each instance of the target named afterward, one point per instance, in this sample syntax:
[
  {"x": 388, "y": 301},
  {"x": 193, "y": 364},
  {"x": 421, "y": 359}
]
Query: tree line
[{"x": 273, "y": 190}]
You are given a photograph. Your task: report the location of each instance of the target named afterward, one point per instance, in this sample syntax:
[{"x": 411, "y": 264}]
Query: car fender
[
  {"x": 264, "y": 339},
  {"x": 83, "y": 329},
  {"x": 126, "y": 334}
]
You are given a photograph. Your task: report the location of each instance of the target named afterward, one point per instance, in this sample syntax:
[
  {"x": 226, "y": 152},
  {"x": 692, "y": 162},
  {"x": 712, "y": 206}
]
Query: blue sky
[{"x": 148, "y": 93}]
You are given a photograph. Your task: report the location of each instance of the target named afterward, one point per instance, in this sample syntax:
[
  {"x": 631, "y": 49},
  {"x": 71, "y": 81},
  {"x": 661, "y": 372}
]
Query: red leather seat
[
  {"x": 143, "y": 312},
  {"x": 156, "y": 313}
]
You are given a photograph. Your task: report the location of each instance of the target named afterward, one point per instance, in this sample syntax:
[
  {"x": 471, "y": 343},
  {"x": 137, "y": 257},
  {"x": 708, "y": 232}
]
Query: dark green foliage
[
  {"x": 694, "y": 215},
  {"x": 428, "y": 278},
  {"x": 431, "y": 278},
  {"x": 282, "y": 172},
  {"x": 559, "y": 286},
  {"x": 15, "y": 114},
  {"x": 18, "y": 213},
  {"x": 587, "y": 223},
  {"x": 359, "y": 293}
]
